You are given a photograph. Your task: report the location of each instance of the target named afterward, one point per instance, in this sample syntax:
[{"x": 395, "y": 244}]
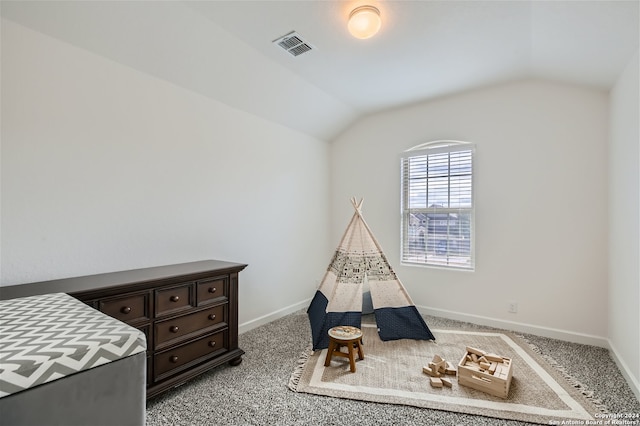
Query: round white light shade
[{"x": 364, "y": 22}]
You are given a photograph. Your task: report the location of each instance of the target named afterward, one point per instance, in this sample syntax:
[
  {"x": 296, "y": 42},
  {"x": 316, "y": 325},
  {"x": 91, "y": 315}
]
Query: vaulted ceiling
[{"x": 425, "y": 49}]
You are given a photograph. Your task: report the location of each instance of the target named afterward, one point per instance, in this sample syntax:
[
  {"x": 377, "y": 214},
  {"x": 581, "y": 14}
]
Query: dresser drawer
[
  {"x": 129, "y": 309},
  {"x": 174, "y": 299},
  {"x": 173, "y": 360},
  {"x": 212, "y": 289},
  {"x": 176, "y": 328}
]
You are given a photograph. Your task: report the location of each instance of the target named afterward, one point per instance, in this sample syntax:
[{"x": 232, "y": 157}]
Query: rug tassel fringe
[
  {"x": 294, "y": 380},
  {"x": 569, "y": 378}
]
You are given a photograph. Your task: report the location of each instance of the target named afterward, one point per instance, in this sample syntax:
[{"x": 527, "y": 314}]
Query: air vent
[{"x": 293, "y": 44}]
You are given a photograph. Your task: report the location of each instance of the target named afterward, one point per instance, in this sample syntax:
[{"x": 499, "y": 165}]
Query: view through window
[{"x": 437, "y": 205}]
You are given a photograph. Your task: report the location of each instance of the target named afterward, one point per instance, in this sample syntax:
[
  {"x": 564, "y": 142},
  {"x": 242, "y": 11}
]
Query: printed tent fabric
[{"x": 338, "y": 299}]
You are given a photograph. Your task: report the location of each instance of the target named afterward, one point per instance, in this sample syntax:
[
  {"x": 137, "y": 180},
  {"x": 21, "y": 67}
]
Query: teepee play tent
[{"x": 359, "y": 261}]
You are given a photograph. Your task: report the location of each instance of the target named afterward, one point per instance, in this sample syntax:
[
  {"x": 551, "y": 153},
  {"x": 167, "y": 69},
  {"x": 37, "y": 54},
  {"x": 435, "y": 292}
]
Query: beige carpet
[{"x": 392, "y": 373}]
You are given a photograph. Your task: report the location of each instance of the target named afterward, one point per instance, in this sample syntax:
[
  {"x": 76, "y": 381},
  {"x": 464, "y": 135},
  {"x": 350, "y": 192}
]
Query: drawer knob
[
  {"x": 125, "y": 309},
  {"x": 174, "y": 298},
  {"x": 174, "y": 329},
  {"x": 212, "y": 289},
  {"x": 173, "y": 359},
  {"x": 212, "y": 316},
  {"x": 212, "y": 343}
]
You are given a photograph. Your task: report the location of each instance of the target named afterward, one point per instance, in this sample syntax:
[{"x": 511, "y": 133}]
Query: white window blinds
[{"x": 437, "y": 205}]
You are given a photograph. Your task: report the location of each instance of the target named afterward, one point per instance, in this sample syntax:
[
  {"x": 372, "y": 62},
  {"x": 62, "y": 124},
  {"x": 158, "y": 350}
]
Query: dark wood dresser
[{"x": 188, "y": 311}]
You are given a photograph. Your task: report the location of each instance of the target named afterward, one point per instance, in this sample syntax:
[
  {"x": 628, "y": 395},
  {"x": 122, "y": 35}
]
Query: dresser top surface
[{"x": 119, "y": 278}]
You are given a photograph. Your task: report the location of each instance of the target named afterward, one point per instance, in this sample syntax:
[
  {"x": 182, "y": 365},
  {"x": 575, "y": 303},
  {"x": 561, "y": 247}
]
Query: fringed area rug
[{"x": 391, "y": 372}]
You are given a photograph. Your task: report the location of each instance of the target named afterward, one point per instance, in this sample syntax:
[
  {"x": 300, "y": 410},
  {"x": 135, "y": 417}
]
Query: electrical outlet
[{"x": 513, "y": 307}]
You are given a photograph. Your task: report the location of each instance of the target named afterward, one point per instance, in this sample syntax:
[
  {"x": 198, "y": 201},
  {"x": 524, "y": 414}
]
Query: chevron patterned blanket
[{"x": 47, "y": 337}]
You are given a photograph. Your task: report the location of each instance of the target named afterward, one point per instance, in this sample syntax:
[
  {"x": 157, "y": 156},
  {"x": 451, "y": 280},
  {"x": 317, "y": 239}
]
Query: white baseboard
[
  {"x": 257, "y": 322},
  {"x": 626, "y": 372},
  {"x": 553, "y": 333}
]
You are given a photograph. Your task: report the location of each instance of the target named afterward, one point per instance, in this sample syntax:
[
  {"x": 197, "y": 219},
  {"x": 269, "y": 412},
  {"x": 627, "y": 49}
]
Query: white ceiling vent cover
[{"x": 293, "y": 43}]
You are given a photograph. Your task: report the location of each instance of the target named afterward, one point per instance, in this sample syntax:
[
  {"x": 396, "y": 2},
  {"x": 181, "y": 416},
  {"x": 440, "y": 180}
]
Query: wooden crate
[{"x": 496, "y": 382}]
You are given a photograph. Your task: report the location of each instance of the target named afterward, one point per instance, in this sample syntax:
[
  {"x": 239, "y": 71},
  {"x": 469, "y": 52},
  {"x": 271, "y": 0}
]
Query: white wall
[
  {"x": 105, "y": 168},
  {"x": 624, "y": 226},
  {"x": 541, "y": 203}
]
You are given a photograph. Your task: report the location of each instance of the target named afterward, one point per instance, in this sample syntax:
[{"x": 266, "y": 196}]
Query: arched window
[{"x": 438, "y": 205}]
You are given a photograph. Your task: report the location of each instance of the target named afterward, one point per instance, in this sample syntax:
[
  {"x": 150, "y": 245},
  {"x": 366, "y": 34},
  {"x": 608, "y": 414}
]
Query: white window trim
[{"x": 430, "y": 148}]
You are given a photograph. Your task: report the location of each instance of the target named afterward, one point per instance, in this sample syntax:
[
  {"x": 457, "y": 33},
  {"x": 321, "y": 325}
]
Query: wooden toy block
[
  {"x": 446, "y": 382},
  {"x": 430, "y": 372},
  {"x": 435, "y": 382},
  {"x": 472, "y": 366},
  {"x": 492, "y": 368},
  {"x": 469, "y": 358},
  {"x": 493, "y": 357},
  {"x": 483, "y": 359},
  {"x": 450, "y": 369},
  {"x": 476, "y": 351},
  {"x": 485, "y": 366},
  {"x": 474, "y": 357},
  {"x": 439, "y": 366}
]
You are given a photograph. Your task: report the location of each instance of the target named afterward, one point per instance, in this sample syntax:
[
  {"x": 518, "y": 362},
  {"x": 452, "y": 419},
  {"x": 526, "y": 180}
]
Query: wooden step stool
[{"x": 351, "y": 338}]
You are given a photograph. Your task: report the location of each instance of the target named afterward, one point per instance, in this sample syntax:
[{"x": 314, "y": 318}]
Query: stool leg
[
  {"x": 360, "y": 351},
  {"x": 352, "y": 361},
  {"x": 332, "y": 346}
]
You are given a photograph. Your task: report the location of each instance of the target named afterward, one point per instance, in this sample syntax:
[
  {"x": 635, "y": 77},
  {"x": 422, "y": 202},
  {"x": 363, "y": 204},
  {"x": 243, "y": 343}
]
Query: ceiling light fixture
[{"x": 364, "y": 22}]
